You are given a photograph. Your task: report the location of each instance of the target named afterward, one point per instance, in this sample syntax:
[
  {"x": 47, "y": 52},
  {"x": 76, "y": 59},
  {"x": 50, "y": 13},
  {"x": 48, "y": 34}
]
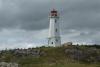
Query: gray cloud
[
  {"x": 77, "y": 13},
  {"x": 23, "y": 14},
  {"x": 33, "y": 15},
  {"x": 79, "y": 20}
]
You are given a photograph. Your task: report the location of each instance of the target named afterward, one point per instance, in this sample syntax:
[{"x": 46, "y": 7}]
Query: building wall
[
  {"x": 54, "y": 41},
  {"x": 54, "y": 32}
]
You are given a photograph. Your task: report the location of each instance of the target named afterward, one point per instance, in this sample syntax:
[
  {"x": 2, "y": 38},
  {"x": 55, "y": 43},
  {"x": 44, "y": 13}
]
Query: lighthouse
[{"x": 54, "y": 32}]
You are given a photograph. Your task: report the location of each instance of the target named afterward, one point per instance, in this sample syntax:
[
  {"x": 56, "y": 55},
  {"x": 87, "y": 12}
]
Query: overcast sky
[{"x": 25, "y": 23}]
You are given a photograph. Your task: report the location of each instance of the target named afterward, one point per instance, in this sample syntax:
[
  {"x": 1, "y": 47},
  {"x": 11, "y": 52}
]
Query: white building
[{"x": 54, "y": 32}]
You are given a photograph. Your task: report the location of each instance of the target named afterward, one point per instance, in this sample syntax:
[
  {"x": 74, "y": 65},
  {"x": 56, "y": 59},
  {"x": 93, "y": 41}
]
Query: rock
[{"x": 4, "y": 64}]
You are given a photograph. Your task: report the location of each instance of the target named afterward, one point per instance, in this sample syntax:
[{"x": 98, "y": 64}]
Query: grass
[
  {"x": 61, "y": 65},
  {"x": 53, "y": 57}
]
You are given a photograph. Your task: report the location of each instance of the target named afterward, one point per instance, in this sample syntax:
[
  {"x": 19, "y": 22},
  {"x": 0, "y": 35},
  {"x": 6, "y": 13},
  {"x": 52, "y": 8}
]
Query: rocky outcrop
[
  {"x": 27, "y": 52},
  {"x": 84, "y": 54},
  {"x": 4, "y": 64}
]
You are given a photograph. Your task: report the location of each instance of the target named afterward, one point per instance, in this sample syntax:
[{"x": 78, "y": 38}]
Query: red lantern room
[{"x": 54, "y": 13}]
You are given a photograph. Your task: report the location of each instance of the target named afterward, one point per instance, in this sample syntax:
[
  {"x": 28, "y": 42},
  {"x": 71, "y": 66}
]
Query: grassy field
[
  {"x": 61, "y": 65},
  {"x": 55, "y": 57}
]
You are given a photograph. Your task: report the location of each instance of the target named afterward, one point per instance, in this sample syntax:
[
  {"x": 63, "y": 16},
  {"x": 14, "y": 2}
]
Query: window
[
  {"x": 56, "y": 30},
  {"x": 56, "y": 40},
  {"x": 55, "y": 20},
  {"x": 52, "y": 43}
]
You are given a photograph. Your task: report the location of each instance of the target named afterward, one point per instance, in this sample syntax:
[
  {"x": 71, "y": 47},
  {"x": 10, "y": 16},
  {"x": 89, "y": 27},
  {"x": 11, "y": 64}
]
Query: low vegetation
[{"x": 65, "y": 56}]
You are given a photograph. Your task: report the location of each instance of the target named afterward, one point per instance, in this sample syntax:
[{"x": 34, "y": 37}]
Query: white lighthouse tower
[{"x": 54, "y": 32}]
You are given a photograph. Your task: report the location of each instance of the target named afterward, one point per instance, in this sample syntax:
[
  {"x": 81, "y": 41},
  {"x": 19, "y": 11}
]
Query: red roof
[{"x": 53, "y": 12}]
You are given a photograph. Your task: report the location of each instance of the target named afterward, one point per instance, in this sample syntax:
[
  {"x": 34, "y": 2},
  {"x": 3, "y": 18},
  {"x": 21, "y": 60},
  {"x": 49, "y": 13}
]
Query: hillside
[{"x": 65, "y": 56}]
